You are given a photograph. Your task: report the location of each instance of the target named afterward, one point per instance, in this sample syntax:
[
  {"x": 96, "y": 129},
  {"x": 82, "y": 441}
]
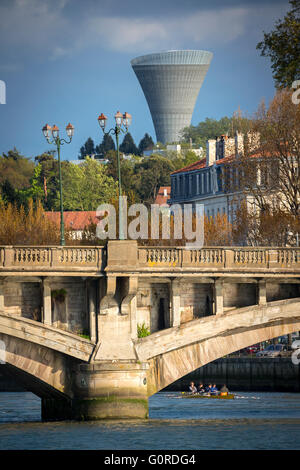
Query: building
[
  {"x": 176, "y": 148},
  {"x": 171, "y": 82},
  {"x": 202, "y": 182},
  {"x": 163, "y": 196},
  {"x": 99, "y": 157},
  {"x": 75, "y": 221}
]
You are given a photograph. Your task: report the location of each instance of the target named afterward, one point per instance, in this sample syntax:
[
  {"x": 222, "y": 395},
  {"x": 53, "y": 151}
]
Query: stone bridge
[{"x": 70, "y": 316}]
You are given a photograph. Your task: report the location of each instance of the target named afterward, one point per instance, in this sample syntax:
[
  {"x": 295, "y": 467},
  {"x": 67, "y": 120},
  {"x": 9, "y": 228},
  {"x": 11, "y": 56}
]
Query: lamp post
[
  {"x": 54, "y": 131},
  {"x": 121, "y": 120}
]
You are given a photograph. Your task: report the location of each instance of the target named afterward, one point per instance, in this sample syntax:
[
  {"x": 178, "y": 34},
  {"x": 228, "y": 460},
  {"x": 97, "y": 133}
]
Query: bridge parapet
[
  {"x": 94, "y": 259},
  {"x": 218, "y": 257},
  {"x": 50, "y": 258}
]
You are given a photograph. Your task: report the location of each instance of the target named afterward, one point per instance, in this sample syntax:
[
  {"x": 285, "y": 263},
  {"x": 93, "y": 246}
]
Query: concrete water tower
[{"x": 171, "y": 82}]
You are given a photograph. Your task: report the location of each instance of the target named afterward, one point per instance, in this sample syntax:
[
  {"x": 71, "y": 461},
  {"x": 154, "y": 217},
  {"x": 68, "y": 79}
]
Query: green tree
[
  {"x": 35, "y": 191},
  {"x": 16, "y": 172},
  {"x": 128, "y": 145},
  {"x": 211, "y": 128},
  {"x": 146, "y": 143},
  {"x": 87, "y": 149},
  {"x": 150, "y": 174},
  {"x": 85, "y": 186},
  {"x": 106, "y": 145},
  {"x": 282, "y": 46},
  {"x": 49, "y": 178}
]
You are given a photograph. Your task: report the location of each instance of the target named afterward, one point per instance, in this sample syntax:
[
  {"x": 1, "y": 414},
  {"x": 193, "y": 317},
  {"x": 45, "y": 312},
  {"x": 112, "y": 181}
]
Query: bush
[{"x": 143, "y": 331}]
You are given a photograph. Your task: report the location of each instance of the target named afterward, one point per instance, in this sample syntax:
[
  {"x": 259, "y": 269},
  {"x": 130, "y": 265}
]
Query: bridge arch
[
  {"x": 41, "y": 357},
  {"x": 175, "y": 352}
]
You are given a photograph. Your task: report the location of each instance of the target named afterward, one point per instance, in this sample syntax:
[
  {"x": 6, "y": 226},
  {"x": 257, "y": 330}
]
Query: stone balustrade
[
  {"x": 94, "y": 259},
  {"x": 217, "y": 257},
  {"x": 50, "y": 258}
]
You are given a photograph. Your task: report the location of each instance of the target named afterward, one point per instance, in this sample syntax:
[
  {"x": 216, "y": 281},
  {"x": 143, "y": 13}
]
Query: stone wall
[
  {"x": 72, "y": 314},
  {"x": 249, "y": 374},
  {"x": 276, "y": 291},
  {"x": 23, "y": 298},
  {"x": 153, "y": 305},
  {"x": 239, "y": 294},
  {"x": 195, "y": 301}
]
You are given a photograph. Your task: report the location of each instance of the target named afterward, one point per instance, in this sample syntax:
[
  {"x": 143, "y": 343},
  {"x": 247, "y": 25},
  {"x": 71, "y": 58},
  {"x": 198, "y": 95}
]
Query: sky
[{"x": 69, "y": 60}]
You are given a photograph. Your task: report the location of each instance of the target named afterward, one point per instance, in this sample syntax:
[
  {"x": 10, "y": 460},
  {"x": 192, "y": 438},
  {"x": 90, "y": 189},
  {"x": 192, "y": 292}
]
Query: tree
[
  {"x": 267, "y": 173},
  {"x": 146, "y": 143},
  {"x": 282, "y": 45},
  {"x": 149, "y": 175},
  {"x": 217, "y": 230},
  {"x": 16, "y": 172},
  {"x": 86, "y": 186},
  {"x": 87, "y": 149},
  {"x": 106, "y": 145},
  {"x": 271, "y": 227},
  {"x": 128, "y": 145},
  {"x": 210, "y": 128},
  {"x": 48, "y": 178},
  {"x": 279, "y": 148},
  {"x": 26, "y": 227}
]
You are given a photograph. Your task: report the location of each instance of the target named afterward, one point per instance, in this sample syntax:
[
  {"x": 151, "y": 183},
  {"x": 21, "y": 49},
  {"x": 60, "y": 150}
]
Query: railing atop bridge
[
  {"x": 91, "y": 258},
  {"x": 219, "y": 257},
  {"x": 52, "y": 257}
]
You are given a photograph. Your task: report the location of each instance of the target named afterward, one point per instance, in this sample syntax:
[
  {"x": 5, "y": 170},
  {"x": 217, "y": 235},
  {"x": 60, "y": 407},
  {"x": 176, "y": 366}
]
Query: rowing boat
[{"x": 230, "y": 396}]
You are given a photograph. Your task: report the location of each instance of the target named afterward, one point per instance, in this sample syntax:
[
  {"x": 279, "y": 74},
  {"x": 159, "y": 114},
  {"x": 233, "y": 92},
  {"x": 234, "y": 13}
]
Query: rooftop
[
  {"x": 74, "y": 220},
  {"x": 164, "y": 193}
]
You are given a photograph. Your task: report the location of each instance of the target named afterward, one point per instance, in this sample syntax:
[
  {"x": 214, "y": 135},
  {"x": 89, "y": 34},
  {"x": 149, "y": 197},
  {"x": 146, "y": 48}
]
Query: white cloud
[
  {"x": 130, "y": 34},
  {"x": 51, "y": 29}
]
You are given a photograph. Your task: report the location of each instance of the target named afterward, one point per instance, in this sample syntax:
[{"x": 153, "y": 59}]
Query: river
[{"x": 250, "y": 421}]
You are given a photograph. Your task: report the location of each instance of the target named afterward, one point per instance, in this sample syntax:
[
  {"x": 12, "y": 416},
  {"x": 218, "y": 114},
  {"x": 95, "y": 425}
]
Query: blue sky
[{"x": 69, "y": 60}]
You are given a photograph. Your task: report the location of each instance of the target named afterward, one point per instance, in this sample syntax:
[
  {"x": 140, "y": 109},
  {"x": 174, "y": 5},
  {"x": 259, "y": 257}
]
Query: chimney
[
  {"x": 239, "y": 144},
  {"x": 210, "y": 152},
  {"x": 253, "y": 141},
  {"x": 229, "y": 146},
  {"x": 165, "y": 192}
]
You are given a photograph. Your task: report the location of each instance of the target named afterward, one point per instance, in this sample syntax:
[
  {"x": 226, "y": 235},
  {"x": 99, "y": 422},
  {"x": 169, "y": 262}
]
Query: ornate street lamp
[
  {"x": 49, "y": 131},
  {"x": 122, "y": 120}
]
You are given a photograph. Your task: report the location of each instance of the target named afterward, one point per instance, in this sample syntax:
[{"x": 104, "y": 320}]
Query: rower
[
  {"x": 192, "y": 388},
  {"x": 224, "y": 390}
]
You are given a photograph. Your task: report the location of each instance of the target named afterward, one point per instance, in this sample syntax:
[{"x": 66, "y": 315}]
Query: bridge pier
[
  {"x": 1, "y": 294},
  {"x": 261, "y": 292},
  {"x": 218, "y": 297},
  {"x": 103, "y": 391},
  {"x": 47, "y": 310}
]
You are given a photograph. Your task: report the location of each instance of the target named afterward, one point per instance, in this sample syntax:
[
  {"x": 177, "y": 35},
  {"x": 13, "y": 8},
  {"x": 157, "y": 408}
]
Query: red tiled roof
[
  {"x": 75, "y": 220},
  {"x": 193, "y": 166},
  {"x": 160, "y": 197},
  {"x": 202, "y": 163}
]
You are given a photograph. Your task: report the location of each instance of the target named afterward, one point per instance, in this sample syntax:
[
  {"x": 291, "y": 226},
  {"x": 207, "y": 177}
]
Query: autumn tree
[
  {"x": 266, "y": 174},
  {"x": 21, "y": 226}
]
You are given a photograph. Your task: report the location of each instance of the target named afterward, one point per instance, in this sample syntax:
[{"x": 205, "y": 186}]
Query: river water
[{"x": 250, "y": 421}]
